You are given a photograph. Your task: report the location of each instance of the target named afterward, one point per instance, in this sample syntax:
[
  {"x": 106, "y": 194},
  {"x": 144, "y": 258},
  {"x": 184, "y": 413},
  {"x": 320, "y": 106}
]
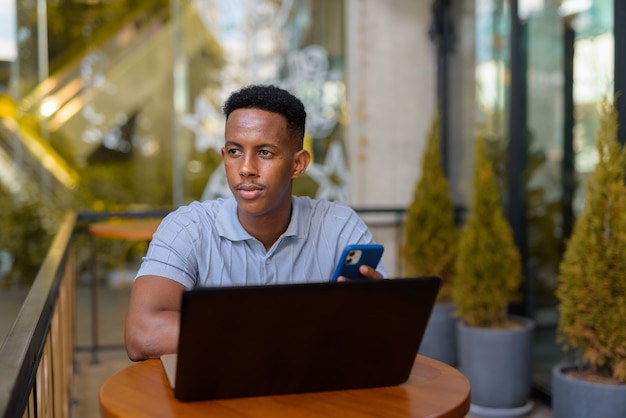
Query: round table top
[
  {"x": 434, "y": 389},
  {"x": 133, "y": 229}
]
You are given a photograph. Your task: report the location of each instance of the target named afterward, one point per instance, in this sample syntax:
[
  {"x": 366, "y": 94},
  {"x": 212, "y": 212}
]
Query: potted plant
[
  {"x": 429, "y": 247},
  {"x": 592, "y": 290},
  {"x": 494, "y": 348}
]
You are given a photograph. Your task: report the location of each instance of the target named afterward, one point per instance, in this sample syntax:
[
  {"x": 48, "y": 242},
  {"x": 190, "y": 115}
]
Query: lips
[{"x": 249, "y": 191}]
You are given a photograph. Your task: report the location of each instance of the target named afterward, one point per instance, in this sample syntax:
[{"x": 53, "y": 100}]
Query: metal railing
[{"x": 36, "y": 358}]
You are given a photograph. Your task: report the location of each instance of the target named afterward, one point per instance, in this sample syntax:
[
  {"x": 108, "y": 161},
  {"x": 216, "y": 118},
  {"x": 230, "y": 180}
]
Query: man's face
[{"x": 261, "y": 160}]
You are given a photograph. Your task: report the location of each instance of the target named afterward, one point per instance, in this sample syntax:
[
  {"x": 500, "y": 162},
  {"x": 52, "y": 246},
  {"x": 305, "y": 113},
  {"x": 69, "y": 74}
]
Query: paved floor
[
  {"x": 89, "y": 375},
  {"x": 11, "y": 301}
]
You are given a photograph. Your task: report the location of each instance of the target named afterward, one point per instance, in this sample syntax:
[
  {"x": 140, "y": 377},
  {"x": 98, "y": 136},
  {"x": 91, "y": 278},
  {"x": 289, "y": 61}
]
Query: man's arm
[{"x": 152, "y": 321}]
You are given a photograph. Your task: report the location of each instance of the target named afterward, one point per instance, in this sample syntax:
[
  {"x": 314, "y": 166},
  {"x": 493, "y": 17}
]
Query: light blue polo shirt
[{"x": 203, "y": 244}]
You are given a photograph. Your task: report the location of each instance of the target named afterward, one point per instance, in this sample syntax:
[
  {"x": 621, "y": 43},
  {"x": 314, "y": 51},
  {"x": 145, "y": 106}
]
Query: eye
[
  {"x": 233, "y": 151},
  {"x": 265, "y": 153}
]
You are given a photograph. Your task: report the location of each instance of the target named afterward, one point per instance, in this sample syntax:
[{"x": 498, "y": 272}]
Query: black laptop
[{"x": 280, "y": 339}]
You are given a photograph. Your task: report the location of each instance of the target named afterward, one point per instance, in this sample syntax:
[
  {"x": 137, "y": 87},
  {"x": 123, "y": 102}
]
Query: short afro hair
[{"x": 273, "y": 99}]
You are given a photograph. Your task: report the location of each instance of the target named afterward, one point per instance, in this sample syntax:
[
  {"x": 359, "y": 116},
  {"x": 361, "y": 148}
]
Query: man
[{"x": 261, "y": 235}]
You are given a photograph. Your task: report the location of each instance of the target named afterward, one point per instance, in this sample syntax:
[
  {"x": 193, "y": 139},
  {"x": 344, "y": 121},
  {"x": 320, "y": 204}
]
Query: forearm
[
  {"x": 157, "y": 335},
  {"x": 153, "y": 317}
]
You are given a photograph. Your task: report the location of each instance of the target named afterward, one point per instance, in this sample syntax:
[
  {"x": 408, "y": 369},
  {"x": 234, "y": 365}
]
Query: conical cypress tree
[
  {"x": 430, "y": 233},
  {"x": 592, "y": 273},
  {"x": 488, "y": 268}
]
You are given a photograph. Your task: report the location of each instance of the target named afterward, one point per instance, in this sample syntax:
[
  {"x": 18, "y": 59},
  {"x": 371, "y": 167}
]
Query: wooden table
[
  {"x": 126, "y": 230},
  {"x": 135, "y": 229},
  {"x": 434, "y": 389}
]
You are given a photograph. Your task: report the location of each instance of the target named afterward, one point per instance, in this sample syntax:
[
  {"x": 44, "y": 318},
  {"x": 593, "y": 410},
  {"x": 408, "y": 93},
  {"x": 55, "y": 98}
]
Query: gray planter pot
[
  {"x": 574, "y": 398},
  {"x": 440, "y": 338},
  {"x": 497, "y": 362}
]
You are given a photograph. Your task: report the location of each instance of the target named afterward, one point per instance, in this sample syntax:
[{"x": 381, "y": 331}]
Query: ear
[{"x": 301, "y": 160}]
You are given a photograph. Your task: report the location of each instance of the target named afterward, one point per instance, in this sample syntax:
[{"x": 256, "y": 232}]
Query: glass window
[
  {"x": 567, "y": 54},
  {"x": 130, "y": 116}
]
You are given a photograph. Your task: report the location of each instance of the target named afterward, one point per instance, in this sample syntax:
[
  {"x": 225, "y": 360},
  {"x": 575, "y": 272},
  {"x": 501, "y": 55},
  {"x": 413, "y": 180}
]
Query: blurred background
[{"x": 115, "y": 106}]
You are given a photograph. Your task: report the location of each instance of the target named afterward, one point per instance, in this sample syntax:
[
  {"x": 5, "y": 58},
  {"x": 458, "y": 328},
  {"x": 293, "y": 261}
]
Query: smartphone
[{"x": 353, "y": 257}]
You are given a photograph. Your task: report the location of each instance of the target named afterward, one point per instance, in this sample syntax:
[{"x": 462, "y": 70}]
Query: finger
[{"x": 370, "y": 272}]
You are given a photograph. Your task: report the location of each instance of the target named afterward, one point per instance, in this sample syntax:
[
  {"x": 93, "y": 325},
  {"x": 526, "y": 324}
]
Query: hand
[{"x": 367, "y": 271}]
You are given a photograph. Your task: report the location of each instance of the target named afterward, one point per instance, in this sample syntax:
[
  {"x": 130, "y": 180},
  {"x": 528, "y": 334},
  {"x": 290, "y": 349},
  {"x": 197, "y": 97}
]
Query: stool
[{"x": 127, "y": 230}]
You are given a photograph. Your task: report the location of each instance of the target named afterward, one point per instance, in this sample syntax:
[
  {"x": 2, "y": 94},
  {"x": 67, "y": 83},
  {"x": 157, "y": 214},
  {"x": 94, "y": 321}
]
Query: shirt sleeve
[
  {"x": 171, "y": 252},
  {"x": 353, "y": 230}
]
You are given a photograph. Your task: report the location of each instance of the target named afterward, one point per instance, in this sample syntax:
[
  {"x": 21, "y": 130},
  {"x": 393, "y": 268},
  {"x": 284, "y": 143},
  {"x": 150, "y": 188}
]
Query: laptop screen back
[{"x": 279, "y": 339}]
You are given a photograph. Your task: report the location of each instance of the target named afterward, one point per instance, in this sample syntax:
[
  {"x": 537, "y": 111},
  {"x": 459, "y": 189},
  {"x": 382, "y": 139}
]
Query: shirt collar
[{"x": 229, "y": 227}]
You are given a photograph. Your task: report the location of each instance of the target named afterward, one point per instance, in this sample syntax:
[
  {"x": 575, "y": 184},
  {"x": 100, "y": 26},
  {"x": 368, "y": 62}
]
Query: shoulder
[
  {"x": 197, "y": 210},
  {"x": 189, "y": 217},
  {"x": 323, "y": 205},
  {"x": 323, "y": 209}
]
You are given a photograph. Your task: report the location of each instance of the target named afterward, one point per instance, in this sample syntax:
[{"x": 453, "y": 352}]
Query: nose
[{"x": 248, "y": 166}]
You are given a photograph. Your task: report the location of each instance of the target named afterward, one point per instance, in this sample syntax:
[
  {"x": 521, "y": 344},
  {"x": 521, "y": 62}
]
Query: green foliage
[
  {"x": 116, "y": 186},
  {"x": 107, "y": 187},
  {"x": 544, "y": 210},
  {"x": 27, "y": 229},
  {"x": 488, "y": 266},
  {"x": 195, "y": 181},
  {"x": 544, "y": 245},
  {"x": 430, "y": 233},
  {"x": 592, "y": 285}
]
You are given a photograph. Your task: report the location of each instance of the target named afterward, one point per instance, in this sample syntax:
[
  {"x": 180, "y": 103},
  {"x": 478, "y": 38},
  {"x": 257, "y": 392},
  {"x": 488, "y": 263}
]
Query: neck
[{"x": 267, "y": 228}]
